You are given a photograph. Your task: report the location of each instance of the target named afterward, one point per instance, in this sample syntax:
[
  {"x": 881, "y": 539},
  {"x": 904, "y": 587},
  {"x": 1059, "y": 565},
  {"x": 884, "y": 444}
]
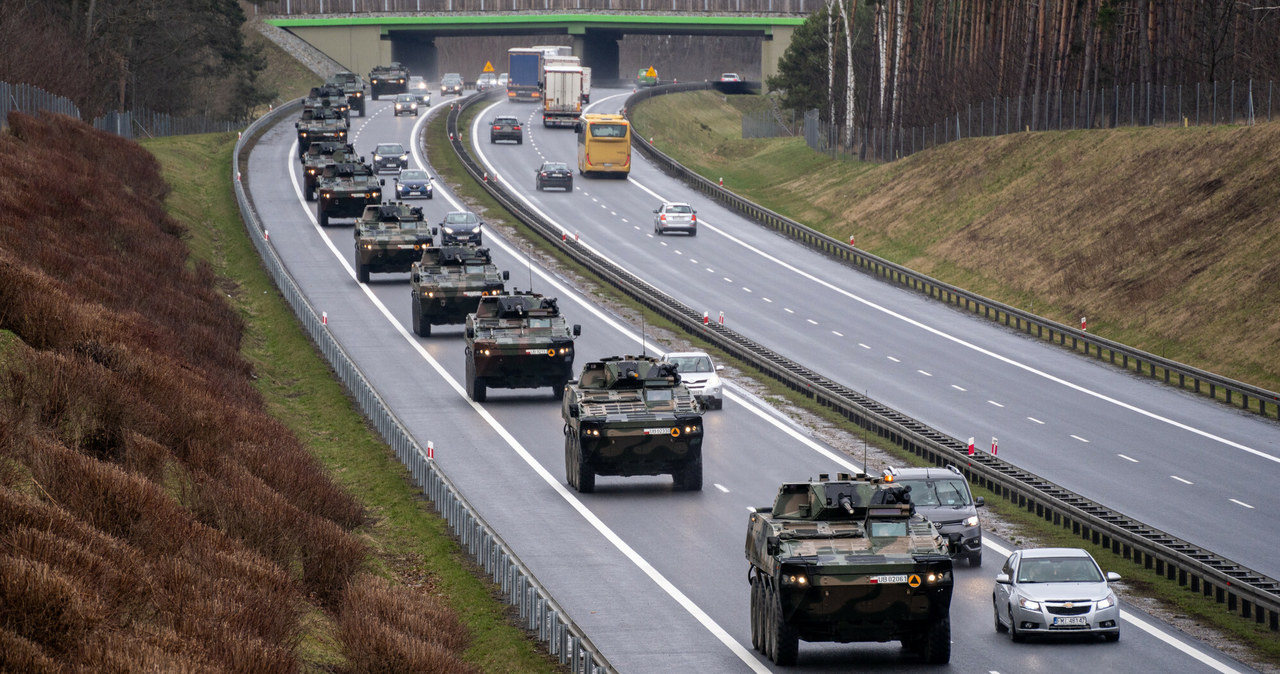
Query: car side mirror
[
  {"x": 656, "y": 210},
  {"x": 577, "y": 329},
  {"x": 382, "y": 181},
  {"x": 695, "y": 211},
  {"x": 506, "y": 275},
  {"x": 435, "y": 230},
  {"x": 1002, "y": 579},
  {"x": 1112, "y": 576},
  {"x": 471, "y": 332},
  {"x": 297, "y": 124}
]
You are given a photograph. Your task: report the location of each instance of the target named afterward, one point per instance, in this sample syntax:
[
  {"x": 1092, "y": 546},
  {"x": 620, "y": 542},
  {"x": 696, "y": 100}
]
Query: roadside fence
[
  {"x": 305, "y": 7},
  {"x": 129, "y": 124}
]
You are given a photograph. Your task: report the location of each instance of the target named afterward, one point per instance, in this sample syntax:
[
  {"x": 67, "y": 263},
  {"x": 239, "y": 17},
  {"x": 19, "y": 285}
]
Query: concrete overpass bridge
[{"x": 360, "y": 42}]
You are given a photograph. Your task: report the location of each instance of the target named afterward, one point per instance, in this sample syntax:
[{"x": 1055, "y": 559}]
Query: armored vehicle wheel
[
  {"x": 975, "y": 559},
  {"x": 689, "y": 478},
  {"x": 475, "y": 385},
  {"x": 421, "y": 327},
  {"x": 1000, "y": 627},
  {"x": 783, "y": 641},
  {"x": 581, "y": 476},
  {"x": 324, "y": 219},
  {"x": 936, "y": 646},
  {"x": 557, "y": 389},
  {"x": 756, "y": 641},
  {"x": 362, "y": 273}
]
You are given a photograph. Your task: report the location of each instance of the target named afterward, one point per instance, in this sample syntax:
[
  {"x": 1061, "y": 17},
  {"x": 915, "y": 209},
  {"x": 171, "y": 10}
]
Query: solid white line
[
  {"x": 1181, "y": 480},
  {"x": 1079, "y": 438},
  {"x": 969, "y": 345},
  {"x": 1127, "y": 458},
  {"x": 1241, "y": 503},
  {"x": 721, "y": 487}
]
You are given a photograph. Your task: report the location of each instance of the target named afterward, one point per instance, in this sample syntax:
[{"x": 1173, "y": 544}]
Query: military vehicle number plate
[
  {"x": 1075, "y": 620},
  {"x": 657, "y": 431},
  {"x": 892, "y": 578}
]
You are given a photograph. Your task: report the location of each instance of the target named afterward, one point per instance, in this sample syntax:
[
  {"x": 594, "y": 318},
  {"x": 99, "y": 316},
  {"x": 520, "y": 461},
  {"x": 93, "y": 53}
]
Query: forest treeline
[
  {"x": 915, "y": 61},
  {"x": 181, "y": 57}
]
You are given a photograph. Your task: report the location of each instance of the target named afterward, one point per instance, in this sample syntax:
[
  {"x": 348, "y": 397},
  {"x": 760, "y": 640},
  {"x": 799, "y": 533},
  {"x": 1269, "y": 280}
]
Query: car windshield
[
  {"x": 460, "y": 219},
  {"x": 943, "y": 492},
  {"x": 505, "y": 121},
  {"x": 389, "y": 149},
  {"x": 608, "y": 131},
  {"x": 692, "y": 363},
  {"x": 555, "y": 167},
  {"x": 413, "y": 175},
  {"x": 405, "y": 98},
  {"x": 679, "y": 208},
  {"x": 452, "y": 78},
  {"x": 1059, "y": 570}
]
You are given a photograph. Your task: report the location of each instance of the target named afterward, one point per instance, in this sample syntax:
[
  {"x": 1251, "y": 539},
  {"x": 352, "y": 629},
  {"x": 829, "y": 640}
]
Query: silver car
[
  {"x": 700, "y": 374},
  {"x": 673, "y": 216},
  {"x": 1055, "y": 591}
]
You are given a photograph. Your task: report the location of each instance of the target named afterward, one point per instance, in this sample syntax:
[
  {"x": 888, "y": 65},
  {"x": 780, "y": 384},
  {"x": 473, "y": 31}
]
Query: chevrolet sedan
[{"x": 1055, "y": 591}]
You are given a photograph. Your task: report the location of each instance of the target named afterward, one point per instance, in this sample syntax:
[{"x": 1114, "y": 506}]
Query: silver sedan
[
  {"x": 1055, "y": 591},
  {"x": 673, "y": 216}
]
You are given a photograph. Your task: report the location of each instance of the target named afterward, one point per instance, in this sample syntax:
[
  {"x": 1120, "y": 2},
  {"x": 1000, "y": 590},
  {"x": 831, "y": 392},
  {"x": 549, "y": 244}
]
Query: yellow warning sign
[
  {"x": 914, "y": 580},
  {"x": 650, "y": 72},
  {"x": 488, "y": 67}
]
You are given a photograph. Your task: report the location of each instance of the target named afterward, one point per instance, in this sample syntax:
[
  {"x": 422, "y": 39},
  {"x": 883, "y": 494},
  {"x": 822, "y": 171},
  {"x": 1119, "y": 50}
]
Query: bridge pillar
[
  {"x": 771, "y": 49},
  {"x": 598, "y": 50},
  {"x": 416, "y": 50}
]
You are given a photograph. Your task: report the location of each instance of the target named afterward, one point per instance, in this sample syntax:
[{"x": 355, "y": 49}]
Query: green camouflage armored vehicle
[
  {"x": 392, "y": 79},
  {"x": 352, "y": 86},
  {"x": 631, "y": 415},
  {"x": 447, "y": 283},
  {"x": 317, "y": 157},
  {"x": 518, "y": 340},
  {"x": 389, "y": 238},
  {"x": 319, "y": 125},
  {"x": 847, "y": 560},
  {"x": 345, "y": 190},
  {"x": 327, "y": 95}
]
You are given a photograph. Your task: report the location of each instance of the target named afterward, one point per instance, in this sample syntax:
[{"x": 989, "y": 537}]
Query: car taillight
[
  {"x": 663, "y": 217},
  {"x": 515, "y": 128},
  {"x": 497, "y": 128},
  {"x": 695, "y": 218}
]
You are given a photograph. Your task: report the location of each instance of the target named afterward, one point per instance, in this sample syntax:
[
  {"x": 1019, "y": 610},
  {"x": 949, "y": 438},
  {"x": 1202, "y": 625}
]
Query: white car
[
  {"x": 674, "y": 216},
  {"x": 730, "y": 77},
  {"x": 1055, "y": 591},
  {"x": 700, "y": 374}
]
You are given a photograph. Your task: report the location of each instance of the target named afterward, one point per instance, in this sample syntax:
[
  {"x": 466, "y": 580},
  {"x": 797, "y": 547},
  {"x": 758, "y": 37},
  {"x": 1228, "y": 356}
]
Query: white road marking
[
  {"x": 1181, "y": 480},
  {"x": 787, "y": 310},
  {"x": 811, "y": 321},
  {"x": 837, "y": 334},
  {"x": 893, "y": 359},
  {"x": 1079, "y": 438},
  {"x": 863, "y": 345},
  {"x": 959, "y": 388},
  {"x": 767, "y": 300},
  {"x": 995, "y": 403},
  {"x": 924, "y": 373},
  {"x": 746, "y": 288},
  {"x": 721, "y": 488},
  {"x": 727, "y": 279},
  {"x": 1036, "y": 420},
  {"x": 1128, "y": 458},
  {"x": 1241, "y": 503}
]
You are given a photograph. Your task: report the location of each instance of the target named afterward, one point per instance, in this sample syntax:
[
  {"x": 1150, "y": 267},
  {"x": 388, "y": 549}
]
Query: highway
[{"x": 656, "y": 578}]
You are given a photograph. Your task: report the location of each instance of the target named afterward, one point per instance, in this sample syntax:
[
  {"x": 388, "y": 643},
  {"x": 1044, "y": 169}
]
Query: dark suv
[
  {"x": 390, "y": 157},
  {"x": 942, "y": 496},
  {"x": 505, "y": 128}
]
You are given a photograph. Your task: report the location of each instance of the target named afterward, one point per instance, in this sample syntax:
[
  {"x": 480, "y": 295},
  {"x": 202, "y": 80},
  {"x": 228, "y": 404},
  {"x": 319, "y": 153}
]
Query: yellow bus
[{"x": 604, "y": 145}]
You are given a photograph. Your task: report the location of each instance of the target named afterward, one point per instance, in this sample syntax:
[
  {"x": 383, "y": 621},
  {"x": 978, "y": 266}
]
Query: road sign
[
  {"x": 651, "y": 72},
  {"x": 488, "y": 66}
]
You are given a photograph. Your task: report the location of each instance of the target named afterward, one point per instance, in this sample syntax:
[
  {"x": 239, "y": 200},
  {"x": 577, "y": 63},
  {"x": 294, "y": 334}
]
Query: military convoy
[
  {"x": 319, "y": 156},
  {"x": 630, "y": 415},
  {"x": 389, "y": 238},
  {"x": 320, "y": 124},
  {"x": 518, "y": 340},
  {"x": 352, "y": 87},
  {"x": 392, "y": 79},
  {"x": 345, "y": 189},
  {"x": 847, "y": 560},
  {"x": 447, "y": 284}
]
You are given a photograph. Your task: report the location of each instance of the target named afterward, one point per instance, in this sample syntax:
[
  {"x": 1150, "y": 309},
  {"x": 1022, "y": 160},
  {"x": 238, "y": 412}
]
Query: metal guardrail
[
  {"x": 1249, "y": 594},
  {"x": 535, "y": 606},
  {"x": 1245, "y": 396}
]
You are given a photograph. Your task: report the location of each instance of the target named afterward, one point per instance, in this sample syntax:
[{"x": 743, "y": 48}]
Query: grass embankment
[
  {"x": 411, "y": 545},
  {"x": 1164, "y": 238},
  {"x": 942, "y": 201}
]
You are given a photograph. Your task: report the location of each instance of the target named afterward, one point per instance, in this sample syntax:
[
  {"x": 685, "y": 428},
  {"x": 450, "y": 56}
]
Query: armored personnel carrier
[
  {"x": 518, "y": 340},
  {"x": 327, "y": 95},
  {"x": 447, "y": 283},
  {"x": 392, "y": 79},
  {"x": 317, "y": 157},
  {"x": 847, "y": 560},
  {"x": 352, "y": 86},
  {"x": 631, "y": 415},
  {"x": 345, "y": 190},
  {"x": 319, "y": 125},
  {"x": 389, "y": 238}
]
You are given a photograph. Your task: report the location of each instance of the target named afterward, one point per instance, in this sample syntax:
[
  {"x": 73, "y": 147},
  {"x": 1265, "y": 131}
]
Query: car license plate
[
  {"x": 1075, "y": 620},
  {"x": 892, "y": 578},
  {"x": 657, "y": 431}
]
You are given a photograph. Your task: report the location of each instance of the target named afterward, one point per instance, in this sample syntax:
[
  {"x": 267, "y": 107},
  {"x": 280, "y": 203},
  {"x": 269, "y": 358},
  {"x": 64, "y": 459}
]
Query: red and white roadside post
[
  {"x": 1084, "y": 325},
  {"x": 431, "y": 451},
  {"x": 721, "y": 318},
  {"x": 324, "y": 318},
  {"x": 995, "y": 445},
  {"x": 971, "y": 450}
]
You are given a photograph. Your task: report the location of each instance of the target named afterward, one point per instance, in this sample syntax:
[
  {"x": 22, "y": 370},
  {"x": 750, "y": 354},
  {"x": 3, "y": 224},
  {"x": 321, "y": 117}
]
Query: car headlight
[
  {"x": 404, "y": 156},
  {"x": 1108, "y": 602},
  {"x": 377, "y": 157},
  {"x": 448, "y": 230},
  {"x": 971, "y": 521},
  {"x": 1028, "y": 604}
]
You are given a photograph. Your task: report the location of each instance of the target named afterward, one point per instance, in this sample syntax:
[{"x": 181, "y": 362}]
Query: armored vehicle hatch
[
  {"x": 447, "y": 284},
  {"x": 345, "y": 189},
  {"x": 518, "y": 340},
  {"x": 389, "y": 238}
]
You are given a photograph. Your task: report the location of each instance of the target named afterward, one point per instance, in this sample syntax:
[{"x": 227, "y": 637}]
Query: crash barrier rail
[
  {"x": 1249, "y": 594},
  {"x": 305, "y": 7},
  {"x": 128, "y": 124},
  {"x": 1245, "y": 396},
  {"x": 537, "y": 610}
]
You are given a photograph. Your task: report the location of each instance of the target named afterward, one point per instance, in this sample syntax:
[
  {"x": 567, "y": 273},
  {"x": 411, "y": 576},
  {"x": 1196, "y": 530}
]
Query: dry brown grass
[
  {"x": 152, "y": 515},
  {"x": 388, "y": 628}
]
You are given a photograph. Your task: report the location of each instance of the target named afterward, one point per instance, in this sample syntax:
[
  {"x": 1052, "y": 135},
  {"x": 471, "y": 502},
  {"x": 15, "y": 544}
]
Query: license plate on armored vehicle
[
  {"x": 890, "y": 578},
  {"x": 1071, "y": 621},
  {"x": 657, "y": 431}
]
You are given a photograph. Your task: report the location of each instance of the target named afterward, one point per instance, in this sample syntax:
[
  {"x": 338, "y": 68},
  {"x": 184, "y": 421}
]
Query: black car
[
  {"x": 554, "y": 174},
  {"x": 451, "y": 83},
  {"x": 460, "y": 227},
  {"x": 390, "y": 157},
  {"x": 414, "y": 183},
  {"x": 505, "y": 128},
  {"x": 406, "y": 104}
]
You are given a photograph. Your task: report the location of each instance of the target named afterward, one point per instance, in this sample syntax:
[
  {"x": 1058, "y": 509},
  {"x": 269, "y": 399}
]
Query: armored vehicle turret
[
  {"x": 631, "y": 415},
  {"x": 326, "y": 95},
  {"x": 448, "y": 282},
  {"x": 847, "y": 560},
  {"x": 317, "y": 157},
  {"x": 518, "y": 340},
  {"x": 389, "y": 238},
  {"x": 345, "y": 189},
  {"x": 319, "y": 125},
  {"x": 352, "y": 86},
  {"x": 392, "y": 79}
]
